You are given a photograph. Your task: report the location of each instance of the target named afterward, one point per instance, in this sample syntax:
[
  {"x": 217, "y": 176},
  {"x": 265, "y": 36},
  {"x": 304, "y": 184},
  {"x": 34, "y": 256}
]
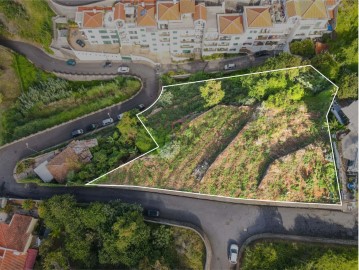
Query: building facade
[{"x": 187, "y": 28}]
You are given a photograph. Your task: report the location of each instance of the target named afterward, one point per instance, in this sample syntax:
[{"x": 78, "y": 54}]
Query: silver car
[
  {"x": 107, "y": 122},
  {"x": 123, "y": 69},
  {"x": 233, "y": 253}
]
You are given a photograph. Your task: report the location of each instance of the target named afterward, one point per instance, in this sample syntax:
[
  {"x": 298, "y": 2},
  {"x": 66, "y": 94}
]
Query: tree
[
  {"x": 128, "y": 127},
  {"x": 326, "y": 64},
  {"x": 55, "y": 260},
  {"x": 348, "y": 86},
  {"x": 212, "y": 92},
  {"x": 303, "y": 48},
  {"x": 28, "y": 204}
]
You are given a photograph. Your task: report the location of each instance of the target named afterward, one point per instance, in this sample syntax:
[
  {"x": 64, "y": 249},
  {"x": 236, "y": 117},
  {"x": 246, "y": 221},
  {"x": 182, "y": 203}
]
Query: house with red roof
[{"x": 15, "y": 240}]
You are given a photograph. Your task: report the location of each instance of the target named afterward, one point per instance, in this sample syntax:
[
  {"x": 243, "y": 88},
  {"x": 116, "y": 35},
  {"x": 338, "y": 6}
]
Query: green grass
[
  {"x": 27, "y": 19},
  {"x": 46, "y": 109},
  {"x": 268, "y": 255}
]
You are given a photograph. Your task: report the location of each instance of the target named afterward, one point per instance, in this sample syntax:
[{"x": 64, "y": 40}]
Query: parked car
[
  {"x": 71, "y": 62},
  {"x": 80, "y": 43},
  {"x": 108, "y": 63},
  {"x": 141, "y": 107},
  {"x": 77, "y": 132},
  {"x": 153, "y": 213},
  {"x": 119, "y": 117},
  {"x": 123, "y": 69},
  {"x": 107, "y": 121},
  {"x": 229, "y": 66},
  {"x": 233, "y": 253},
  {"x": 261, "y": 53},
  {"x": 92, "y": 127}
]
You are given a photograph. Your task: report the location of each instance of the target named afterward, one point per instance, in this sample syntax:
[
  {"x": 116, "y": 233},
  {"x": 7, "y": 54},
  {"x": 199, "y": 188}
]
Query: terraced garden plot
[{"x": 262, "y": 136}]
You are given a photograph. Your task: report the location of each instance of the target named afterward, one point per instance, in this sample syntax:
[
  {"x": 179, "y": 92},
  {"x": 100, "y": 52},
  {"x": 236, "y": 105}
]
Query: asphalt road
[{"x": 222, "y": 222}]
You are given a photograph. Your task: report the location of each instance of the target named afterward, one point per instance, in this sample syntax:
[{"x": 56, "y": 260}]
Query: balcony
[
  {"x": 225, "y": 38},
  {"x": 164, "y": 34},
  {"x": 185, "y": 46},
  {"x": 224, "y": 44},
  {"x": 210, "y": 44}
]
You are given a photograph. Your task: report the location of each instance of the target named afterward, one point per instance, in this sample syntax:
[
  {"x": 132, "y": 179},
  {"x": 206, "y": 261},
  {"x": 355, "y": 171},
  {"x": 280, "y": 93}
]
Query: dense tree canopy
[
  {"x": 212, "y": 92},
  {"x": 303, "y": 48}
]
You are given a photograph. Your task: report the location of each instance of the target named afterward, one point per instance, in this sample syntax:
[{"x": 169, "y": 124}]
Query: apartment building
[
  {"x": 186, "y": 28},
  {"x": 97, "y": 25}
]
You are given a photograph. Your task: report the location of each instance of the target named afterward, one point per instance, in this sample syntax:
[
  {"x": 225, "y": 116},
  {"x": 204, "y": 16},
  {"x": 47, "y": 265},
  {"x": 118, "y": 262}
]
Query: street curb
[
  {"x": 192, "y": 227},
  {"x": 80, "y": 117},
  {"x": 296, "y": 238}
]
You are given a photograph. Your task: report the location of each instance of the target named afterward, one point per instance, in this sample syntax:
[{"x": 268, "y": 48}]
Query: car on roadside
[
  {"x": 119, "y": 116},
  {"x": 261, "y": 53},
  {"x": 77, "y": 132},
  {"x": 141, "y": 107},
  {"x": 92, "y": 127},
  {"x": 153, "y": 213},
  {"x": 108, "y": 63},
  {"x": 229, "y": 66},
  {"x": 233, "y": 254},
  {"x": 80, "y": 43},
  {"x": 107, "y": 121},
  {"x": 71, "y": 62},
  {"x": 123, "y": 69}
]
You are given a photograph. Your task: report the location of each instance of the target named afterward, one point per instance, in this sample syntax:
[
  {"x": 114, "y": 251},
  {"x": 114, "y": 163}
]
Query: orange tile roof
[
  {"x": 230, "y": 24},
  {"x": 310, "y": 9},
  {"x": 15, "y": 235},
  {"x": 258, "y": 17},
  {"x": 119, "y": 13},
  {"x": 30, "y": 259},
  {"x": 187, "y": 6},
  {"x": 92, "y": 19},
  {"x": 61, "y": 164},
  {"x": 168, "y": 12},
  {"x": 12, "y": 261},
  {"x": 200, "y": 12},
  {"x": 146, "y": 15}
]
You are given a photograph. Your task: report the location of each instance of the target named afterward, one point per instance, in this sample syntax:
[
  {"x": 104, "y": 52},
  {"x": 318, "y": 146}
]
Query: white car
[
  {"x": 107, "y": 122},
  {"x": 229, "y": 66},
  {"x": 123, "y": 70},
  {"x": 233, "y": 253}
]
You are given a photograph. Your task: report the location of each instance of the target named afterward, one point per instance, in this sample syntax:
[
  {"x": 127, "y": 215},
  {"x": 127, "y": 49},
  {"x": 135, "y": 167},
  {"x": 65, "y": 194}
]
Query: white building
[{"x": 186, "y": 29}]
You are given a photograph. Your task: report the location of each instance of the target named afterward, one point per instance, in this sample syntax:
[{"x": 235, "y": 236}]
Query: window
[
  {"x": 249, "y": 37},
  {"x": 153, "y": 34},
  {"x": 236, "y": 38},
  {"x": 232, "y": 50},
  {"x": 174, "y": 32},
  {"x": 105, "y": 37},
  {"x": 92, "y": 36},
  {"x": 103, "y": 31},
  {"x": 175, "y": 51},
  {"x": 142, "y": 30},
  {"x": 114, "y": 36},
  {"x": 174, "y": 37},
  {"x": 318, "y": 25},
  {"x": 107, "y": 42},
  {"x": 132, "y": 32},
  {"x": 304, "y": 27},
  {"x": 143, "y": 35},
  {"x": 90, "y": 31},
  {"x": 133, "y": 37},
  {"x": 153, "y": 39},
  {"x": 175, "y": 43},
  {"x": 235, "y": 44},
  {"x": 115, "y": 41}
]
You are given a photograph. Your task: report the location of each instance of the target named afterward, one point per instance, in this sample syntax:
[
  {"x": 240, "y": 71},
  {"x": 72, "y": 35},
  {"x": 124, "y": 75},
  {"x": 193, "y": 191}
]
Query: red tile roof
[
  {"x": 13, "y": 261},
  {"x": 30, "y": 259},
  {"x": 94, "y": 8},
  {"x": 119, "y": 13},
  {"x": 15, "y": 235},
  {"x": 92, "y": 19}
]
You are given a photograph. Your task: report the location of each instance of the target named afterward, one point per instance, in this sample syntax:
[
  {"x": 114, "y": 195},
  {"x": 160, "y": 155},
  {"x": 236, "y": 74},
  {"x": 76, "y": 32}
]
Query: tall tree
[{"x": 212, "y": 92}]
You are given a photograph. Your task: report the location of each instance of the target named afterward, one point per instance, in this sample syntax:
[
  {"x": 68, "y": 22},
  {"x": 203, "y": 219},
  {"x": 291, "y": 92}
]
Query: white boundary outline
[{"x": 220, "y": 196}]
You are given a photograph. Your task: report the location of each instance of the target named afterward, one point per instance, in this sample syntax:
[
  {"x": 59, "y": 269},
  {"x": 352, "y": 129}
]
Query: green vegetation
[
  {"x": 269, "y": 118},
  {"x": 303, "y": 48},
  {"x": 45, "y": 101},
  {"x": 270, "y": 255},
  {"x": 116, "y": 146},
  {"x": 28, "y": 20},
  {"x": 113, "y": 236}
]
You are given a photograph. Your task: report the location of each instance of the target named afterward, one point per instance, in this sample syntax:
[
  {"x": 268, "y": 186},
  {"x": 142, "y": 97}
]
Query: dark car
[
  {"x": 80, "y": 42},
  {"x": 77, "y": 132},
  {"x": 153, "y": 213},
  {"x": 107, "y": 64},
  {"x": 92, "y": 127},
  {"x": 141, "y": 107},
  {"x": 261, "y": 53},
  {"x": 71, "y": 62}
]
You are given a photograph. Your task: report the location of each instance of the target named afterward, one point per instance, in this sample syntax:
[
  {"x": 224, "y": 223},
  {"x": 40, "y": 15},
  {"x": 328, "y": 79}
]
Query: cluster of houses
[
  {"x": 187, "y": 28},
  {"x": 15, "y": 241}
]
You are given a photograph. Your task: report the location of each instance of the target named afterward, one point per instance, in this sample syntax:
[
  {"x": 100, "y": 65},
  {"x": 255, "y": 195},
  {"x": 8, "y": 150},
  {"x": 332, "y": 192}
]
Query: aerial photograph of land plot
[{"x": 259, "y": 136}]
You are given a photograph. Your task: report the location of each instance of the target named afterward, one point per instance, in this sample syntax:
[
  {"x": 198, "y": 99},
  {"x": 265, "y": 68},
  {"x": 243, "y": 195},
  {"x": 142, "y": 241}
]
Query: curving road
[{"x": 222, "y": 222}]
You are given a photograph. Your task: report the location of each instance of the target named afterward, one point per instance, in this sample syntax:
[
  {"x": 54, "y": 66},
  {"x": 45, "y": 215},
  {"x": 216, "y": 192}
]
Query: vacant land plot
[
  {"x": 262, "y": 136},
  {"x": 299, "y": 256},
  {"x": 38, "y": 100}
]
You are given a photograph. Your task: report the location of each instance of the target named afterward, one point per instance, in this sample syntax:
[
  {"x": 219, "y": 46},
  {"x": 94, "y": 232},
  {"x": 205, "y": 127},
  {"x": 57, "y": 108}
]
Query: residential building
[
  {"x": 186, "y": 28},
  {"x": 15, "y": 240},
  {"x": 70, "y": 159}
]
